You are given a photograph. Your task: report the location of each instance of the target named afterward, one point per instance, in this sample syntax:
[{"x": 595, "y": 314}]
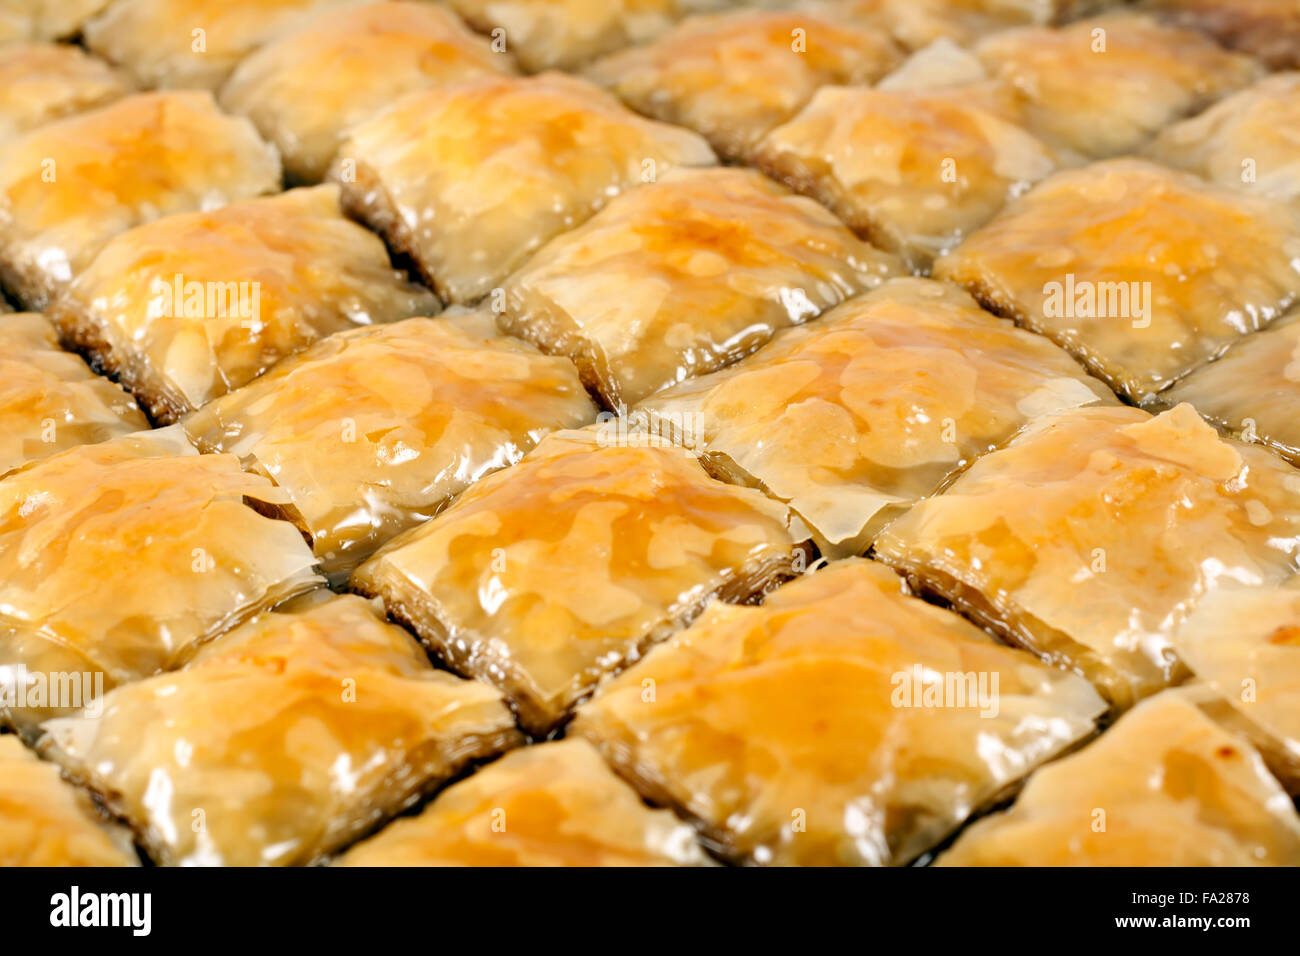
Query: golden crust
[{"x": 40, "y": 82}]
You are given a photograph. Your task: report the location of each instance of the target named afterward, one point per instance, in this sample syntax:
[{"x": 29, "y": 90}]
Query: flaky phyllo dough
[
  {"x": 68, "y": 187},
  {"x": 304, "y": 90},
  {"x": 372, "y": 431},
  {"x": 684, "y": 276},
  {"x": 841, "y": 723},
  {"x": 46, "y": 822},
  {"x": 1269, "y": 29},
  {"x": 50, "y": 400},
  {"x": 554, "y": 804},
  {"x": 41, "y": 82},
  {"x": 1140, "y": 271},
  {"x": 1165, "y": 786},
  {"x": 1093, "y": 534},
  {"x": 1250, "y": 140},
  {"x": 26, "y": 20},
  {"x": 192, "y": 306},
  {"x": 734, "y": 76},
  {"x": 878, "y": 403},
  {"x": 283, "y": 740},
  {"x": 549, "y": 575},
  {"x": 470, "y": 179},
  {"x": 116, "y": 557}
]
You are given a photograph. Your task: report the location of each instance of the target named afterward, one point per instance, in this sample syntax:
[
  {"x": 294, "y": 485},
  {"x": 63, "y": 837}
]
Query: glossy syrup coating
[
  {"x": 116, "y": 557},
  {"x": 1268, "y": 29},
  {"x": 64, "y": 191},
  {"x": 685, "y": 276},
  {"x": 189, "y": 307},
  {"x": 1165, "y": 786},
  {"x": 283, "y": 740},
  {"x": 40, "y": 82},
  {"x": 24, "y": 21},
  {"x": 305, "y": 89},
  {"x": 374, "y": 430},
  {"x": 1094, "y": 533},
  {"x": 854, "y": 417},
  {"x": 554, "y": 804},
  {"x": 193, "y": 43},
  {"x": 1101, "y": 87},
  {"x": 46, "y": 822},
  {"x": 914, "y": 171},
  {"x": 1140, "y": 271},
  {"x": 801, "y": 732},
  {"x": 470, "y": 179},
  {"x": 51, "y": 401},
  {"x": 735, "y": 76},
  {"x": 546, "y": 577}
]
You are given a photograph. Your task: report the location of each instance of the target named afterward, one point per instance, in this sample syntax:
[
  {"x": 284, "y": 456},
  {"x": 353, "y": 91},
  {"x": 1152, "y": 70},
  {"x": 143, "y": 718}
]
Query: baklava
[
  {"x": 1091, "y": 536},
  {"x": 918, "y": 23},
  {"x": 288, "y": 737},
  {"x": 470, "y": 179},
  {"x": 684, "y": 276},
  {"x": 375, "y": 430},
  {"x": 41, "y": 82},
  {"x": 1269, "y": 29},
  {"x": 28, "y": 20},
  {"x": 555, "y": 804},
  {"x": 841, "y": 723},
  {"x": 189, "y": 307},
  {"x": 546, "y": 577}
]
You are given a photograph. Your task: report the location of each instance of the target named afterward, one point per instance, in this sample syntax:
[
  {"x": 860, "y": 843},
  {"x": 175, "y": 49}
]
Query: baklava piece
[
  {"x": 69, "y": 186},
  {"x": 193, "y": 43},
  {"x": 841, "y": 723},
  {"x": 1164, "y": 787},
  {"x": 853, "y": 418},
  {"x": 914, "y": 171},
  {"x": 1269, "y": 29},
  {"x": 45, "y": 822},
  {"x": 735, "y": 76},
  {"x": 1092, "y": 535},
  {"x": 1244, "y": 645},
  {"x": 1140, "y": 271},
  {"x": 24, "y": 21},
  {"x": 304, "y": 90},
  {"x": 1250, "y": 140},
  {"x": 555, "y": 804},
  {"x": 567, "y": 34},
  {"x": 470, "y": 179},
  {"x": 1102, "y": 87},
  {"x": 282, "y": 741},
  {"x": 41, "y": 82},
  {"x": 549, "y": 575},
  {"x": 682, "y": 277},
  {"x": 373, "y": 431},
  {"x": 116, "y": 557},
  {"x": 189, "y": 307},
  {"x": 918, "y": 23},
  {"x": 49, "y": 400}
]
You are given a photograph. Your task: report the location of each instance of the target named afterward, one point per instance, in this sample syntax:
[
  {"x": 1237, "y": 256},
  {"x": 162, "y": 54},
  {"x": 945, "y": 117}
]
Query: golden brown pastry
[
  {"x": 193, "y": 43},
  {"x": 40, "y": 82},
  {"x": 69, "y": 186},
  {"x": 283, "y": 740},
  {"x": 841, "y": 723},
  {"x": 189, "y": 307},
  {"x": 555, "y": 804},
  {"x": 874, "y": 405},
  {"x": 374, "y": 430},
  {"x": 1250, "y": 140},
  {"x": 1103, "y": 86},
  {"x": 470, "y": 179},
  {"x": 49, "y": 400},
  {"x": 547, "y": 576},
  {"x": 304, "y": 90},
  {"x": 1269, "y": 29},
  {"x": 1140, "y": 271},
  {"x": 684, "y": 276},
  {"x": 46, "y": 822},
  {"x": 918, "y": 23},
  {"x": 116, "y": 557},
  {"x": 1164, "y": 787},
  {"x": 1094, "y": 533},
  {"x": 24, "y": 21},
  {"x": 735, "y": 76},
  {"x": 914, "y": 171}
]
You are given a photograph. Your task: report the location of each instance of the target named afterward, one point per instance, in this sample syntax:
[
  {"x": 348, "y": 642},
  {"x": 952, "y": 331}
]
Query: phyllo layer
[
  {"x": 41, "y": 82},
  {"x": 24, "y": 21},
  {"x": 1269, "y": 29}
]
